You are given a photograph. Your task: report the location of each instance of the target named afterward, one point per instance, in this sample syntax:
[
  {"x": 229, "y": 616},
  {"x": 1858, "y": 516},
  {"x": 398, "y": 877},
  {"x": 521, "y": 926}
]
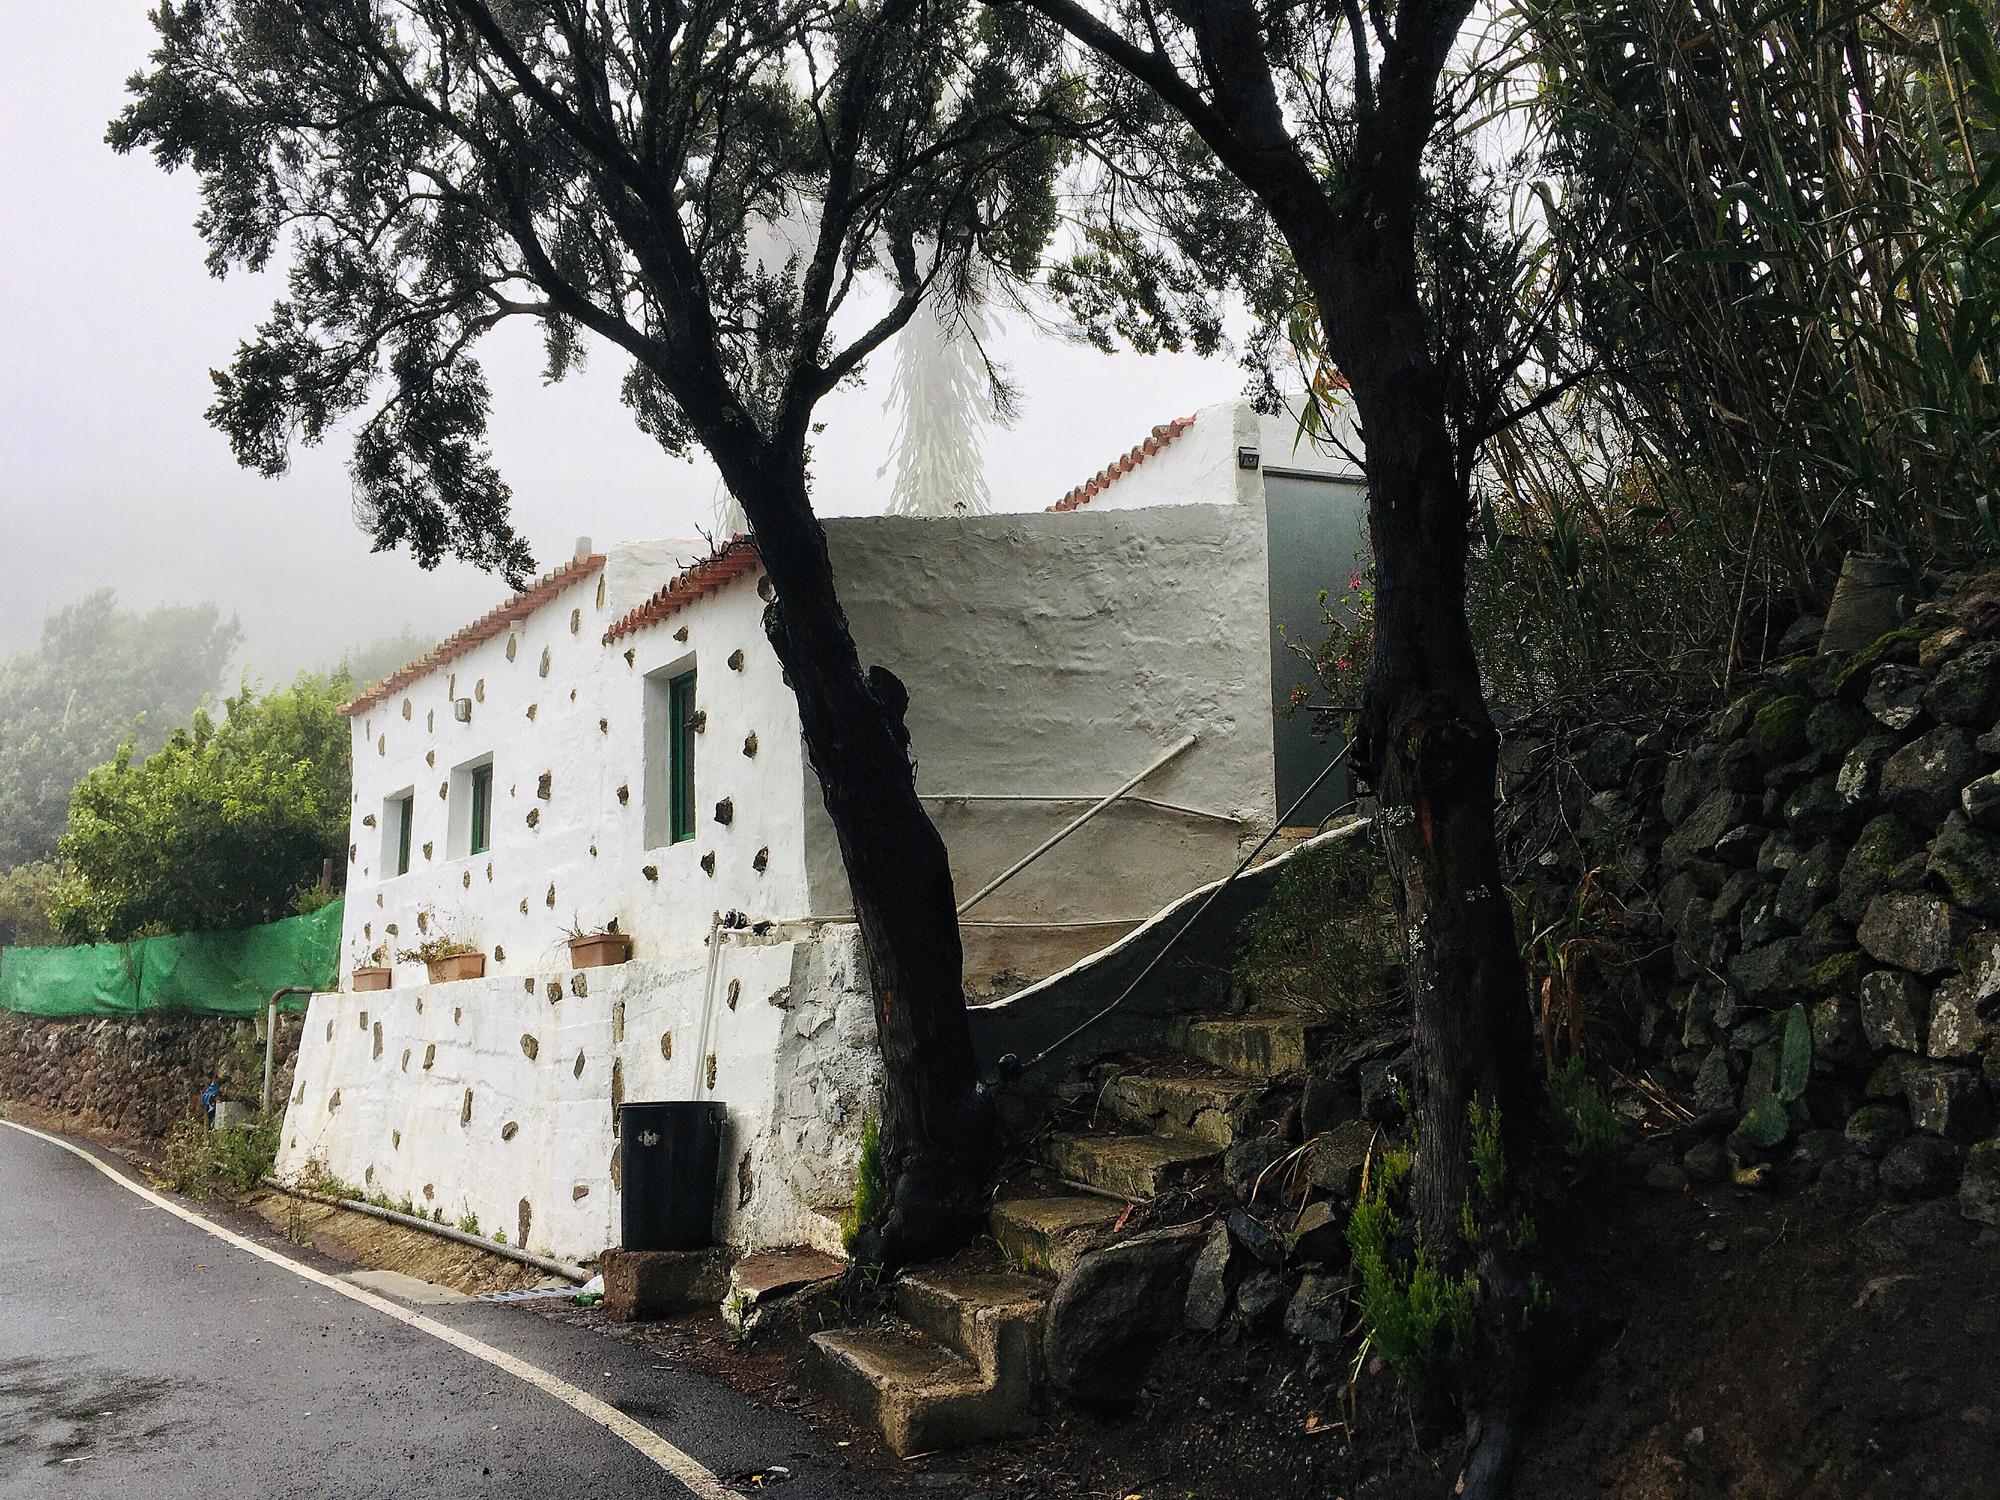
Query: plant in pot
[
  {"x": 593, "y": 948},
  {"x": 446, "y": 958},
  {"x": 373, "y": 972}
]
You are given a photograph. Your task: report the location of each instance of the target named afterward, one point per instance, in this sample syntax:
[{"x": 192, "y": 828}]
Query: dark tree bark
[
  {"x": 1426, "y": 742},
  {"x": 936, "y": 1138}
]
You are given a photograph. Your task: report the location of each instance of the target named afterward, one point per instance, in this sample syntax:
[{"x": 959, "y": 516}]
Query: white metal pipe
[{"x": 1180, "y": 747}]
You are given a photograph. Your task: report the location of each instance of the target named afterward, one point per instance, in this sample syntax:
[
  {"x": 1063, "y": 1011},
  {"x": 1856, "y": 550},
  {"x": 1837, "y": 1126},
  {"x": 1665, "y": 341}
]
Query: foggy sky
[{"x": 109, "y": 475}]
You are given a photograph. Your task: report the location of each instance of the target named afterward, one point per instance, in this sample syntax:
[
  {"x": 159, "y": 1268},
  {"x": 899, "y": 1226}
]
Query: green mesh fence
[{"x": 206, "y": 973}]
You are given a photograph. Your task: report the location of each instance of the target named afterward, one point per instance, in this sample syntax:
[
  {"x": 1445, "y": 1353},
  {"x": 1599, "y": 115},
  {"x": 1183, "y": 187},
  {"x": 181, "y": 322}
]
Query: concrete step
[
  {"x": 923, "y": 1396},
  {"x": 757, "y": 1281},
  {"x": 992, "y": 1318},
  {"x": 1258, "y": 1046},
  {"x": 1185, "y": 1106},
  {"x": 1136, "y": 1167},
  {"x": 1049, "y": 1234}
]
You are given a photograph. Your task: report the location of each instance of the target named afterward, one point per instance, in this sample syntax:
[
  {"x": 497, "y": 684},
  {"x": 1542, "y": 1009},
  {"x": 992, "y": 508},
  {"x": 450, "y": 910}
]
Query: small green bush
[
  {"x": 1418, "y": 1318},
  {"x": 1590, "y": 1128},
  {"x": 871, "y": 1186},
  {"x": 226, "y": 1164},
  {"x": 1325, "y": 936}
]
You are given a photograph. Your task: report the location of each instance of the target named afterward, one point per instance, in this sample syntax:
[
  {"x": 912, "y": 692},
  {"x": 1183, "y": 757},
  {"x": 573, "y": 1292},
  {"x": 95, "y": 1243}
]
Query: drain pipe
[
  {"x": 554, "y": 1267},
  {"x": 271, "y": 1033}
]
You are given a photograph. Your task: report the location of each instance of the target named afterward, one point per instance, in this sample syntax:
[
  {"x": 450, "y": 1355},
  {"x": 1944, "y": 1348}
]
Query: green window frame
[
  {"x": 680, "y": 757},
  {"x": 482, "y": 810},
  {"x": 406, "y": 808}
]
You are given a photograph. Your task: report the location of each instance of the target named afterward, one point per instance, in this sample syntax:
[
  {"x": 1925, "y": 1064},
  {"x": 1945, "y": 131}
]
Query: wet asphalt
[{"x": 142, "y": 1358}]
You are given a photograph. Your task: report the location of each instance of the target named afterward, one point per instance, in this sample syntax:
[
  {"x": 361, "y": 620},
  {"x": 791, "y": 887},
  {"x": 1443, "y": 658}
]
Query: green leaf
[{"x": 1795, "y": 1061}]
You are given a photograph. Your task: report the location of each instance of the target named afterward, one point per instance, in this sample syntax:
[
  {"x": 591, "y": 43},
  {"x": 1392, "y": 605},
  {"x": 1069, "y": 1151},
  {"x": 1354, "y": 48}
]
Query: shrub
[
  {"x": 226, "y": 1164},
  {"x": 1418, "y": 1318},
  {"x": 1590, "y": 1128},
  {"x": 1325, "y": 937}
]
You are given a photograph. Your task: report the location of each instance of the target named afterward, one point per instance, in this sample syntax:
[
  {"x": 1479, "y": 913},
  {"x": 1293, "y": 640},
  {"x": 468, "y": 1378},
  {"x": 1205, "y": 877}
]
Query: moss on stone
[
  {"x": 1780, "y": 727},
  {"x": 1899, "y": 645},
  {"x": 1842, "y": 969}
]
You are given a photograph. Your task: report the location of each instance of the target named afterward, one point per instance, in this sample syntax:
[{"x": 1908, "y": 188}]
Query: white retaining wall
[{"x": 429, "y": 1093}]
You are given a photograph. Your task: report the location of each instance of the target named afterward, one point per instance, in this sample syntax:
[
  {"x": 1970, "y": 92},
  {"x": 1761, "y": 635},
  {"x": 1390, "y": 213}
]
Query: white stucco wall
[
  {"x": 1201, "y": 465},
  {"x": 562, "y": 717},
  {"x": 429, "y": 1093},
  {"x": 1049, "y": 657}
]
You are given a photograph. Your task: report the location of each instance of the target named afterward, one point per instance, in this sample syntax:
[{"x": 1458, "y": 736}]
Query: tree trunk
[
  {"x": 1428, "y": 746},
  {"x": 937, "y": 1140}
]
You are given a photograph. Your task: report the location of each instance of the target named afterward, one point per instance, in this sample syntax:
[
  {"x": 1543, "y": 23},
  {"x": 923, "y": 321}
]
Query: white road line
[{"x": 699, "y": 1480}]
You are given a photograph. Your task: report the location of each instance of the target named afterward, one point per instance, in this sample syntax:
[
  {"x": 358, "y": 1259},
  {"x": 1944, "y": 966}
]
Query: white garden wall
[{"x": 496, "y": 1098}]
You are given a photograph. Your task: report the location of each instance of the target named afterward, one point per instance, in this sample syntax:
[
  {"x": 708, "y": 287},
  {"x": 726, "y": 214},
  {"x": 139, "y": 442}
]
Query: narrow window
[
  {"x": 482, "y": 808},
  {"x": 405, "y": 807},
  {"x": 680, "y": 755}
]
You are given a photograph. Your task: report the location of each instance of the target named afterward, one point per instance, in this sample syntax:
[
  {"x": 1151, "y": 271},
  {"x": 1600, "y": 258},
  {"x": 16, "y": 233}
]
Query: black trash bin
[{"x": 670, "y": 1157}]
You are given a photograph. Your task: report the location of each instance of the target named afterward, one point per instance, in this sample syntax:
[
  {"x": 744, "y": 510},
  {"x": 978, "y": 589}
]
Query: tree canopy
[
  {"x": 224, "y": 827},
  {"x": 101, "y": 676}
]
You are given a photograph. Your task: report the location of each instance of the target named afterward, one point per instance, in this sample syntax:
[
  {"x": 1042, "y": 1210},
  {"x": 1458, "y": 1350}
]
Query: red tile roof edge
[
  {"x": 733, "y": 559},
  {"x": 1112, "y": 472},
  {"x": 481, "y": 630}
]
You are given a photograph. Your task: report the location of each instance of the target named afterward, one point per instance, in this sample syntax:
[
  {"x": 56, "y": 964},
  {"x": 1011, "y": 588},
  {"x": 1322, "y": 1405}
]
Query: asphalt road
[{"x": 144, "y": 1359}]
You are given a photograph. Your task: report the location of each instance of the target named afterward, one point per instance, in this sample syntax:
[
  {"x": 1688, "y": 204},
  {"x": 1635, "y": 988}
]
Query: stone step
[
  {"x": 756, "y": 1281},
  {"x": 1185, "y": 1106},
  {"x": 1135, "y": 1167},
  {"x": 924, "y": 1397},
  {"x": 1258, "y": 1046},
  {"x": 1049, "y": 1234},
  {"x": 992, "y": 1318}
]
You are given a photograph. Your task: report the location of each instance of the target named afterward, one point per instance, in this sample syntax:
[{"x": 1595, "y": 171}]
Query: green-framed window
[
  {"x": 680, "y": 757},
  {"x": 481, "y": 828},
  {"x": 405, "y": 814}
]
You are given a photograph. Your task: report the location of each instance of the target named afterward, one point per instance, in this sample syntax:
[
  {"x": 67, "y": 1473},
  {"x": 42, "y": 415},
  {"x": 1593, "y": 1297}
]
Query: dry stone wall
[
  {"x": 1828, "y": 874},
  {"x": 134, "y": 1077}
]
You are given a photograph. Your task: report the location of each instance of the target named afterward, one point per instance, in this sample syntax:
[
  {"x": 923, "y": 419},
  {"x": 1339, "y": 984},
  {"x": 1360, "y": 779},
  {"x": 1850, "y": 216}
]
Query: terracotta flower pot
[
  {"x": 458, "y": 966},
  {"x": 369, "y": 977},
  {"x": 597, "y": 949}
]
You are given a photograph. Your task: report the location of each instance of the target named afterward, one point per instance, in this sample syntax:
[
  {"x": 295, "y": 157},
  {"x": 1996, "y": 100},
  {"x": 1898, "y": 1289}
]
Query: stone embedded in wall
[
  {"x": 444, "y": 791},
  {"x": 617, "y": 1022},
  {"x": 406, "y": 708},
  {"x": 513, "y": 646},
  {"x": 465, "y": 1109},
  {"x": 735, "y": 992},
  {"x": 667, "y": 1045},
  {"x": 532, "y": 708},
  {"x": 511, "y": 1129},
  {"x": 580, "y": 1192},
  {"x": 750, "y": 744},
  {"x": 761, "y": 860},
  {"x": 543, "y": 670},
  {"x": 577, "y": 1070},
  {"x": 725, "y": 811},
  {"x": 736, "y": 660},
  {"x": 333, "y": 1101},
  {"x": 376, "y": 1056},
  {"x": 550, "y": 899},
  {"x": 604, "y": 726},
  {"x": 406, "y": 1059},
  {"x": 368, "y": 821},
  {"x": 708, "y": 863},
  {"x": 746, "y": 1184},
  {"x": 479, "y": 691},
  {"x": 431, "y": 758},
  {"x": 624, "y": 796},
  {"x": 430, "y": 1054},
  {"x": 681, "y": 634},
  {"x": 427, "y": 848},
  {"x": 543, "y": 785},
  {"x": 1893, "y": 1008},
  {"x": 579, "y": 985},
  {"x": 530, "y": 1046},
  {"x": 523, "y": 1217},
  {"x": 555, "y": 991},
  {"x": 465, "y": 879},
  {"x": 1913, "y": 931},
  {"x": 617, "y": 1088},
  {"x": 651, "y": 872},
  {"x": 617, "y": 1170},
  {"x": 600, "y": 591},
  {"x": 395, "y": 1140},
  {"x": 534, "y": 817}
]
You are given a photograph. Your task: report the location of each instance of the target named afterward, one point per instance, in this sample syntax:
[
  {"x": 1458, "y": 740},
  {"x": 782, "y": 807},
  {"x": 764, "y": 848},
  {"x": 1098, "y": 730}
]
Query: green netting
[{"x": 207, "y": 973}]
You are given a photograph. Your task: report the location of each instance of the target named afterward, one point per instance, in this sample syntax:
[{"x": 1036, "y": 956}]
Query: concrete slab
[{"x": 405, "y": 1288}]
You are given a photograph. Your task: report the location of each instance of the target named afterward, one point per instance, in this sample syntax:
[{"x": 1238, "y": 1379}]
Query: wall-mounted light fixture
[{"x": 1246, "y": 458}]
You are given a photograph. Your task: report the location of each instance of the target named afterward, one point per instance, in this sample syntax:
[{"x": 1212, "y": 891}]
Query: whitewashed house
[{"x": 616, "y": 744}]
